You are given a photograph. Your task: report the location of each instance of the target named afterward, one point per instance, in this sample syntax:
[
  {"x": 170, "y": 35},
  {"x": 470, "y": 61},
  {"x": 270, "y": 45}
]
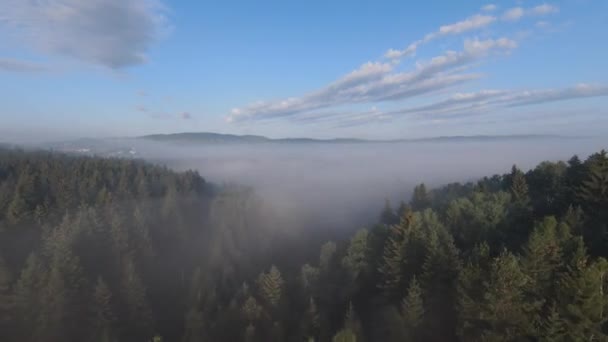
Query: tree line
[{"x": 96, "y": 249}]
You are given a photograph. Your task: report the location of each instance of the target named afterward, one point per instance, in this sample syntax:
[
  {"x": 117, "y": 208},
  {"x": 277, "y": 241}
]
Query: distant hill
[{"x": 217, "y": 138}]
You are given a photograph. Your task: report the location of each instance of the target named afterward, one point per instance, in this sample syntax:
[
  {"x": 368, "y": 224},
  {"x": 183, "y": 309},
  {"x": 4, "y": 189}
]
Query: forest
[{"x": 107, "y": 249}]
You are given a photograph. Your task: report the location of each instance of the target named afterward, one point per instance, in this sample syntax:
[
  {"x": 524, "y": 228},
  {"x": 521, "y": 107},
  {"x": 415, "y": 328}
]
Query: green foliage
[
  {"x": 412, "y": 308},
  {"x": 109, "y": 250},
  {"x": 355, "y": 261},
  {"x": 393, "y": 257},
  {"x": 388, "y": 215},
  {"x": 420, "y": 198},
  {"x": 345, "y": 335},
  {"x": 271, "y": 286},
  {"x": 104, "y": 316}
]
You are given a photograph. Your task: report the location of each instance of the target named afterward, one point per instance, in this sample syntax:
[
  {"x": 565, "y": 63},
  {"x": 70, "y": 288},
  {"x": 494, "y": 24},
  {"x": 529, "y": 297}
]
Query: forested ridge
[{"x": 96, "y": 249}]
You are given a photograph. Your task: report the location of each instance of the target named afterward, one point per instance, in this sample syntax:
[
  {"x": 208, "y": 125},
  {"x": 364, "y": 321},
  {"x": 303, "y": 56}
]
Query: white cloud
[
  {"x": 471, "y": 23},
  {"x": 542, "y": 24},
  {"x": 14, "y": 65},
  {"x": 378, "y": 82},
  {"x": 476, "y": 46},
  {"x": 475, "y": 22},
  {"x": 489, "y": 8},
  {"x": 112, "y": 33},
  {"x": 396, "y": 54},
  {"x": 488, "y": 100},
  {"x": 543, "y": 9},
  {"x": 517, "y": 13},
  {"x": 513, "y": 14},
  {"x": 462, "y": 105}
]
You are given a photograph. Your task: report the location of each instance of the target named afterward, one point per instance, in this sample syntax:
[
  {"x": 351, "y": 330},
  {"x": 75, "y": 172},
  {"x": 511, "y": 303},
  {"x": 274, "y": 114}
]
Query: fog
[{"x": 344, "y": 185}]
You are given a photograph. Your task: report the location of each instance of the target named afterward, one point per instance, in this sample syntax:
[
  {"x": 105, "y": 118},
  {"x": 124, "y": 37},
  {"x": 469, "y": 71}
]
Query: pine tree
[
  {"x": 541, "y": 260},
  {"x": 439, "y": 281},
  {"x": 553, "y": 328},
  {"x": 310, "y": 324},
  {"x": 27, "y": 291},
  {"x": 271, "y": 286},
  {"x": 7, "y": 303},
  {"x": 54, "y": 308},
  {"x": 352, "y": 322},
  {"x": 393, "y": 258},
  {"x": 519, "y": 186},
  {"x": 327, "y": 254},
  {"x": 17, "y": 209},
  {"x": 345, "y": 335},
  {"x": 420, "y": 198},
  {"x": 195, "y": 329},
  {"x": 135, "y": 298},
  {"x": 412, "y": 309},
  {"x": 388, "y": 216},
  {"x": 594, "y": 190},
  {"x": 582, "y": 301},
  {"x": 504, "y": 308},
  {"x": 355, "y": 260},
  {"x": 104, "y": 317},
  {"x": 251, "y": 310}
]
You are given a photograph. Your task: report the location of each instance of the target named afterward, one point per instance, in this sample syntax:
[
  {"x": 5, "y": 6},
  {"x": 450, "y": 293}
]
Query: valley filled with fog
[{"x": 336, "y": 185}]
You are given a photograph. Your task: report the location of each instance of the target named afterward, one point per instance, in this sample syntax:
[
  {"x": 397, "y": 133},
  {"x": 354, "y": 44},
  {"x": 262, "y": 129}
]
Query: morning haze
[{"x": 289, "y": 171}]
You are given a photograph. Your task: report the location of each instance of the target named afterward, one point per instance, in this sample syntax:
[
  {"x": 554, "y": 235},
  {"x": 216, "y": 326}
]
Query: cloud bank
[
  {"x": 111, "y": 33},
  {"x": 385, "y": 81},
  {"x": 14, "y": 65}
]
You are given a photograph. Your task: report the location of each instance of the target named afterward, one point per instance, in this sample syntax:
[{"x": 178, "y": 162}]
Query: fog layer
[{"x": 344, "y": 185}]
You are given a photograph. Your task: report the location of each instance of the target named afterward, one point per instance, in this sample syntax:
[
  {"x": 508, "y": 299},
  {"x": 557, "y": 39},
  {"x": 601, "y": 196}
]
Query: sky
[{"x": 321, "y": 69}]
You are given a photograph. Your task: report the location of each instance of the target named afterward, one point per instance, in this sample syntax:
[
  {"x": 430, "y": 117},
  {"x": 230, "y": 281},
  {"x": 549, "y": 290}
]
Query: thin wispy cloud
[
  {"x": 111, "y": 33},
  {"x": 14, "y": 65},
  {"x": 489, "y": 8},
  {"x": 516, "y": 13},
  {"x": 377, "y": 82},
  {"x": 380, "y": 82},
  {"x": 469, "y": 24},
  {"x": 483, "y": 101}
]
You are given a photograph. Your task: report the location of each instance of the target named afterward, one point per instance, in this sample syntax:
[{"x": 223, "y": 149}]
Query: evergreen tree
[
  {"x": 582, "y": 300},
  {"x": 137, "y": 308},
  {"x": 519, "y": 186},
  {"x": 355, "y": 261},
  {"x": 412, "y": 309},
  {"x": 393, "y": 258},
  {"x": 345, "y": 335},
  {"x": 7, "y": 302},
  {"x": 420, "y": 198},
  {"x": 327, "y": 254},
  {"x": 28, "y": 297},
  {"x": 503, "y": 306},
  {"x": 310, "y": 324},
  {"x": 388, "y": 216},
  {"x": 104, "y": 318},
  {"x": 271, "y": 286},
  {"x": 194, "y": 330}
]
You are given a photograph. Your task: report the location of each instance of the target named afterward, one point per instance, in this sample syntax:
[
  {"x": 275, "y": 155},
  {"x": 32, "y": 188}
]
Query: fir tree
[
  {"x": 393, "y": 258},
  {"x": 271, "y": 286},
  {"x": 388, "y": 216},
  {"x": 104, "y": 318},
  {"x": 519, "y": 186},
  {"x": 7, "y": 302},
  {"x": 420, "y": 198},
  {"x": 194, "y": 330},
  {"x": 412, "y": 309}
]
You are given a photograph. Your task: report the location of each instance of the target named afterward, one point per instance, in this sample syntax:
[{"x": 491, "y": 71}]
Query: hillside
[{"x": 216, "y": 138}]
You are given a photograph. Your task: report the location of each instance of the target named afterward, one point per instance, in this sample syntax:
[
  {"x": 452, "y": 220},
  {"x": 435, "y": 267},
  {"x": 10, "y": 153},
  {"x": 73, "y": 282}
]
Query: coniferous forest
[{"x": 105, "y": 250}]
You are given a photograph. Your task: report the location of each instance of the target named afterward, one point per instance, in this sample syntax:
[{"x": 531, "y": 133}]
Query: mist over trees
[{"x": 96, "y": 249}]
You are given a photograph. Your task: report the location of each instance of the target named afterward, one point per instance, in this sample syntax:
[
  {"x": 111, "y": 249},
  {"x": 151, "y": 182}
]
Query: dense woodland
[{"x": 105, "y": 250}]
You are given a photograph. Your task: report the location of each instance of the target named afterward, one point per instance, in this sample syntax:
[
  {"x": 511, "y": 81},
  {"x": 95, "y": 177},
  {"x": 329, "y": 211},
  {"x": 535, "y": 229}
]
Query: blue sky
[{"x": 374, "y": 69}]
